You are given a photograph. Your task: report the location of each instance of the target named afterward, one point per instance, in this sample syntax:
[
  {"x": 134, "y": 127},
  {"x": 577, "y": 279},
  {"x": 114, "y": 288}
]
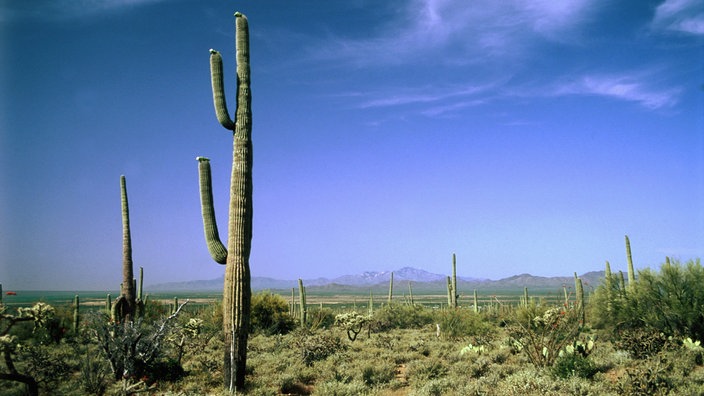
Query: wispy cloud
[
  {"x": 407, "y": 97},
  {"x": 632, "y": 88},
  {"x": 471, "y": 30},
  {"x": 685, "y": 16},
  {"x": 50, "y": 10}
]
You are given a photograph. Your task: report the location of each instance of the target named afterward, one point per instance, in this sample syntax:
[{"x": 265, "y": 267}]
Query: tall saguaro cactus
[
  {"x": 302, "y": 301},
  {"x": 236, "y": 291},
  {"x": 454, "y": 282},
  {"x": 125, "y": 304},
  {"x": 631, "y": 272},
  {"x": 391, "y": 288}
]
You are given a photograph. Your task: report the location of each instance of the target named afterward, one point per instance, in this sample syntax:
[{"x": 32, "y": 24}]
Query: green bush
[
  {"x": 574, "y": 365},
  {"x": 321, "y": 318},
  {"x": 642, "y": 343},
  {"x": 669, "y": 301},
  {"x": 427, "y": 369},
  {"x": 540, "y": 332},
  {"x": 461, "y": 323},
  {"x": 94, "y": 375},
  {"x": 315, "y": 347},
  {"x": 646, "y": 379},
  {"x": 396, "y": 316},
  {"x": 270, "y": 315},
  {"x": 376, "y": 374}
]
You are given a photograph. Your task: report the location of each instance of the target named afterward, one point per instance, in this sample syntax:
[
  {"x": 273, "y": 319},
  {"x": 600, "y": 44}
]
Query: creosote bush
[
  {"x": 270, "y": 314},
  {"x": 461, "y": 323},
  {"x": 397, "y": 316}
]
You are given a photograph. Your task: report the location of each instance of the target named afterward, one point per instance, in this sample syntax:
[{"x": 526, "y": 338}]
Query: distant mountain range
[{"x": 421, "y": 280}]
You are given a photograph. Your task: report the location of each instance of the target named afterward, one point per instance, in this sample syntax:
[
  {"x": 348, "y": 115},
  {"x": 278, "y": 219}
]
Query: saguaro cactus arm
[
  {"x": 212, "y": 237},
  {"x": 217, "y": 82}
]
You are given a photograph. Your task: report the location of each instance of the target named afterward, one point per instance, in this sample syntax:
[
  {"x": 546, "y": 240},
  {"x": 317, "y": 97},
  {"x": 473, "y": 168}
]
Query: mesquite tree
[{"x": 237, "y": 293}]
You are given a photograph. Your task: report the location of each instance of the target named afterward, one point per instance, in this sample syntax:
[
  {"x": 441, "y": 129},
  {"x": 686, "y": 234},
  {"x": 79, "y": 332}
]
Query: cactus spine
[
  {"x": 454, "y": 282},
  {"x": 631, "y": 272},
  {"x": 302, "y": 301},
  {"x": 237, "y": 292}
]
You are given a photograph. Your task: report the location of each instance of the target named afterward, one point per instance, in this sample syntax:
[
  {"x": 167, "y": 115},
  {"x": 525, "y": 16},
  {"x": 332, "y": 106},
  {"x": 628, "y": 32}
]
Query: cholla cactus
[
  {"x": 352, "y": 322},
  {"x": 8, "y": 343},
  {"x": 41, "y": 313},
  {"x": 476, "y": 349}
]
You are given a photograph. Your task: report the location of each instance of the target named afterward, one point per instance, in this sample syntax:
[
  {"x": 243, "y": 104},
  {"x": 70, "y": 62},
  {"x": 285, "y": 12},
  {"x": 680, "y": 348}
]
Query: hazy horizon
[{"x": 526, "y": 137}]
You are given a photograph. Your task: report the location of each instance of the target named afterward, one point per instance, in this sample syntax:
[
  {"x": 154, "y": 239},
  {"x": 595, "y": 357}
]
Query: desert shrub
[
  {"x": 574, "y": 365},
  {"x": 434, "y": 387},
  {"x": 461, "y": 323},
  {"x": 321, "y": 318},
  {"x": 154, "y": 310},
  {"x": 672, "y": 299},
  {"x": 315, "y": 347},
  {"x": 668, "y": 300},
  {"x": 420, "y": 371},
  {"x": 541, "y": 332},
  {"x": 93, "y": 375},
  {"x": 646, "y": 378},
  {"x": 642, "y": 343},
  {"x": 336, "y": 388},
  {"x": 134, "y": 349},
  {"x": 397, "y": 316},
  {"x": 48, "y": 366},
  {"x": 270, "y": 315},
  {"x": 376, "y": 374}
]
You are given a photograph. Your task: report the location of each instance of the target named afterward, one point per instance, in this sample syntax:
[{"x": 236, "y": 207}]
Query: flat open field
[{"x": 328, "y": 298}]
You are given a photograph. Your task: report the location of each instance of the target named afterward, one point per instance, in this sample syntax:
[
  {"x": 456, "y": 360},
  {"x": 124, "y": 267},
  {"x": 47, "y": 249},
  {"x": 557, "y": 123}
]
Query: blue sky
[{"x": 524, "y": 136}]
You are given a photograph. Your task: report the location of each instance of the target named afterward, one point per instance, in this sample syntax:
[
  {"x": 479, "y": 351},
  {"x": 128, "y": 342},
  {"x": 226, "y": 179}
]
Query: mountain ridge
[{"x": 367, "y": 279}]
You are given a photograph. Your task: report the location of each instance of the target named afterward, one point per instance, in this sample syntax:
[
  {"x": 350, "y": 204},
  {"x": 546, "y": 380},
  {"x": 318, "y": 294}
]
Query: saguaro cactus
[
  {"x": 76, "y": 314},
  {"x": 450, "y": 293},
  {"x": 391, "y": 288},
  {"x": 302, "y": 302},
  {"x": 579, "y": 291},
  {"x": 454, "y": 281},
  {"x": 371, "y": 303},
  {"x": 237, "y": 292},
  {"x": 124, "y": 308},
  {"x": 631, "y": 272},
  {"x": 476, "y": 302}
]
